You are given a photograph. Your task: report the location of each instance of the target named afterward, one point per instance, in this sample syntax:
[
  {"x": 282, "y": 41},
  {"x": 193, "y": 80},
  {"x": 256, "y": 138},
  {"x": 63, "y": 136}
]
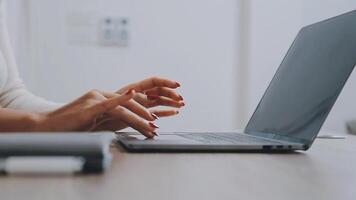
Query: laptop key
[{"x": 226, "y": 138}]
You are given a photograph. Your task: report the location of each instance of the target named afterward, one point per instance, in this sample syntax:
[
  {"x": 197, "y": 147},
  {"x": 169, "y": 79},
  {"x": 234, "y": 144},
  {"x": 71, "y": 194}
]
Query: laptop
[{"x": 294, "y": 106}]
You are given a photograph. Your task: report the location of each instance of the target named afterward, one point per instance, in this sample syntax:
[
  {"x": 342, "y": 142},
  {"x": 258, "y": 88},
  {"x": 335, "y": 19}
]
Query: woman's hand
[
  {"x": 154, "y": 92},
  {"x": 100, "y": 110},
  {"x": 150, "y": 93},
  {"x": 82, "y": 114}
]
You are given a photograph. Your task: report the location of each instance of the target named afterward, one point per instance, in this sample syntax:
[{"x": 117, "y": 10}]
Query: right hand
[{"x": 84, "y": 114}]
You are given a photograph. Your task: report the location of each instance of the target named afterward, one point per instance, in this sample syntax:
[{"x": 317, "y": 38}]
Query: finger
[
  {"x": 163, "y": 101},
  {"x": 154, "y": 100},
  {"x": 151, "y": 83},
  {"x": 165, "y": 113},
  {"x": 111, "y": 103},
  {"x": 164, "y": 91},
  {"x": 139, "y": 110},
  {"x": 132, "y": 105},
  {"x": 134, "y": 121},
  {"x": 142, "y": 99}
]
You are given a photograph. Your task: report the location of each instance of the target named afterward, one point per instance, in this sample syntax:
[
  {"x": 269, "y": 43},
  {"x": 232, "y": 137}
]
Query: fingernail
[
  {"x": 130, "y": 91},
  {"x": 180, "y": 97},
  {"x": 152, "y": 97},
  {"x": 154, "y": 116},
  {"x": 182, "y": 103},
  {"x": 177, "y": 112},
  {"x": 155, "y": 133},
  {"x": 178, "y": 84},
  {"x": 153, "y": 125}
]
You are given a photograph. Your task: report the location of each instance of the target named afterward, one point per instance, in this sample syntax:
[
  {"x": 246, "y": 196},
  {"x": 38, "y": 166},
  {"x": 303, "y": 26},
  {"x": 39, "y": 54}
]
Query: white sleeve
[{"x": 13, "y": 93}]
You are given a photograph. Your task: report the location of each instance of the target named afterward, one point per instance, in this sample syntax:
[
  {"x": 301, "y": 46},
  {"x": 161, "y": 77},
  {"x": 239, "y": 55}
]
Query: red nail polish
[
  {"x": 152, "y": 97},
  {"x": 182, "y": 103},
  {"x": 154, "y": 116},
  {"x": 177, "y": 112},
  {"x": 180, "y": 97},
  {"x": 130, "y": 91},
  {"x": 153, "y": 125},
  {"x": 155, "y": 133},
  {"x": 178, "y": 84}
]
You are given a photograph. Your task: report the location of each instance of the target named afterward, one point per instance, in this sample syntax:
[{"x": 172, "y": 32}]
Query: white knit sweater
[{"x": 13, "y": 93}]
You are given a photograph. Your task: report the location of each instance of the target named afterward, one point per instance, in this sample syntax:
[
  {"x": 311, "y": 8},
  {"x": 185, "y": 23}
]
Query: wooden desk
[{"x": 326, "y": 171}]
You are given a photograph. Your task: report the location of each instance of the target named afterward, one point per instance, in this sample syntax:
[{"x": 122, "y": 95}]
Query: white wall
[
  {"x": 17, "y": 11},
  {"x": 194, "y": 42},
  {"x": 273, "y": 26}
]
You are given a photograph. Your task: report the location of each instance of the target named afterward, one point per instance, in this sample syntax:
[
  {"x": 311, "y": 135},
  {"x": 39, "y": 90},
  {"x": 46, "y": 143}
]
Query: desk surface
[{"x": 326, "y": 171}]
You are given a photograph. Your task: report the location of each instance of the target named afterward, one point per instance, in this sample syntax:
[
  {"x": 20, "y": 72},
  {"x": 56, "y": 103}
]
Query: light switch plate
[
  {"x": 114, "y": 31},
  {"x": 90, "y": 28}
]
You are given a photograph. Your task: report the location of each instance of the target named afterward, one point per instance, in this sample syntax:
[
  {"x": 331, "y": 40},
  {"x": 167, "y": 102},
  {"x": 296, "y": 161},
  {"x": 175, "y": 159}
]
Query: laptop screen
[{"x": 308, "y": 82}]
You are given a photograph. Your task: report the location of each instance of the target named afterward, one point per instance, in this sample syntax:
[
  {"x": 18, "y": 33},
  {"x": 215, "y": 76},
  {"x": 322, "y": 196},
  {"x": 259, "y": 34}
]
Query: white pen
[
  {"x": 331, "y": 137},
  {"x": 37, "y": 165}
]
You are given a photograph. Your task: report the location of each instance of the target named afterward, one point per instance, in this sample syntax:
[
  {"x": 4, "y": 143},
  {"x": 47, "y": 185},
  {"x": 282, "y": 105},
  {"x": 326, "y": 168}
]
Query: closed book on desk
[{"x": 46, "y": 152}]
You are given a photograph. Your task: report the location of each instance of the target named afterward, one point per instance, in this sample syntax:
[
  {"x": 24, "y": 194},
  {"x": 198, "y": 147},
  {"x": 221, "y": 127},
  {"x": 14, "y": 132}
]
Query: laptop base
[{"x": 183, "y": 142}]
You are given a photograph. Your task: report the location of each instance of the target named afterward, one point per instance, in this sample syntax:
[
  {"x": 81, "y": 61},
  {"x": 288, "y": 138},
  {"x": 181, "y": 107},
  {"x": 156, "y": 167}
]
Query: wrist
[{"x": 37, "y": 122}]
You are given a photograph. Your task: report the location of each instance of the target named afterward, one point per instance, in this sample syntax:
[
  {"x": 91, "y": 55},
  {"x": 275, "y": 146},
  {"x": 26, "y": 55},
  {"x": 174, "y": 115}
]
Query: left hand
[{"x": 150, "y": 93}]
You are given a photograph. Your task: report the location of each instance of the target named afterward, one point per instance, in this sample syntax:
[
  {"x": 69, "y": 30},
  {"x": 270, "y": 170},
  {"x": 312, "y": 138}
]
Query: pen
[
  {"x": 41, "y": 165},
  {"x": 332, "y": 137}
]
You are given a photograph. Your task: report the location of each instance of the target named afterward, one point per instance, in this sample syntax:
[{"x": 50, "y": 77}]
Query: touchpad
[{"x": 161, "y": 139}]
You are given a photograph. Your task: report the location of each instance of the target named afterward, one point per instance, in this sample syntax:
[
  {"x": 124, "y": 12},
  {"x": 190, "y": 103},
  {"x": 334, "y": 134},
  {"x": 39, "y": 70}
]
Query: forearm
[{"x": 18, "y": 121}]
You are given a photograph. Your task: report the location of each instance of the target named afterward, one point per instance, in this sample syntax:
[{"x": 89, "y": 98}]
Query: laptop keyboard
[{"x": 226, "y": 138}]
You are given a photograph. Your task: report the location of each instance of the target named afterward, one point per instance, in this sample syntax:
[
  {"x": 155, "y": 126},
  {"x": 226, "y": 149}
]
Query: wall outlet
[{"x": 114, "y": 31}]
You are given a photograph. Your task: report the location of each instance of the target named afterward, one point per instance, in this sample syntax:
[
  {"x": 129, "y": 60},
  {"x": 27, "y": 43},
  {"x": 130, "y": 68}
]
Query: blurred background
[{"x": 224, "y": 52}]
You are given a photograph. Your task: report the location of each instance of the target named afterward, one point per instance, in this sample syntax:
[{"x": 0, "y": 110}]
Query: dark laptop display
[{"x": 308, "y": 81}]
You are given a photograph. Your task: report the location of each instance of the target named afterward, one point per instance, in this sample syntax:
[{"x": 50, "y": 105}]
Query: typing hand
[
  {"x": 150, "y": 93},
  {"x": 83, "y": 113},
  {"x": 100, "y": 110}
]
